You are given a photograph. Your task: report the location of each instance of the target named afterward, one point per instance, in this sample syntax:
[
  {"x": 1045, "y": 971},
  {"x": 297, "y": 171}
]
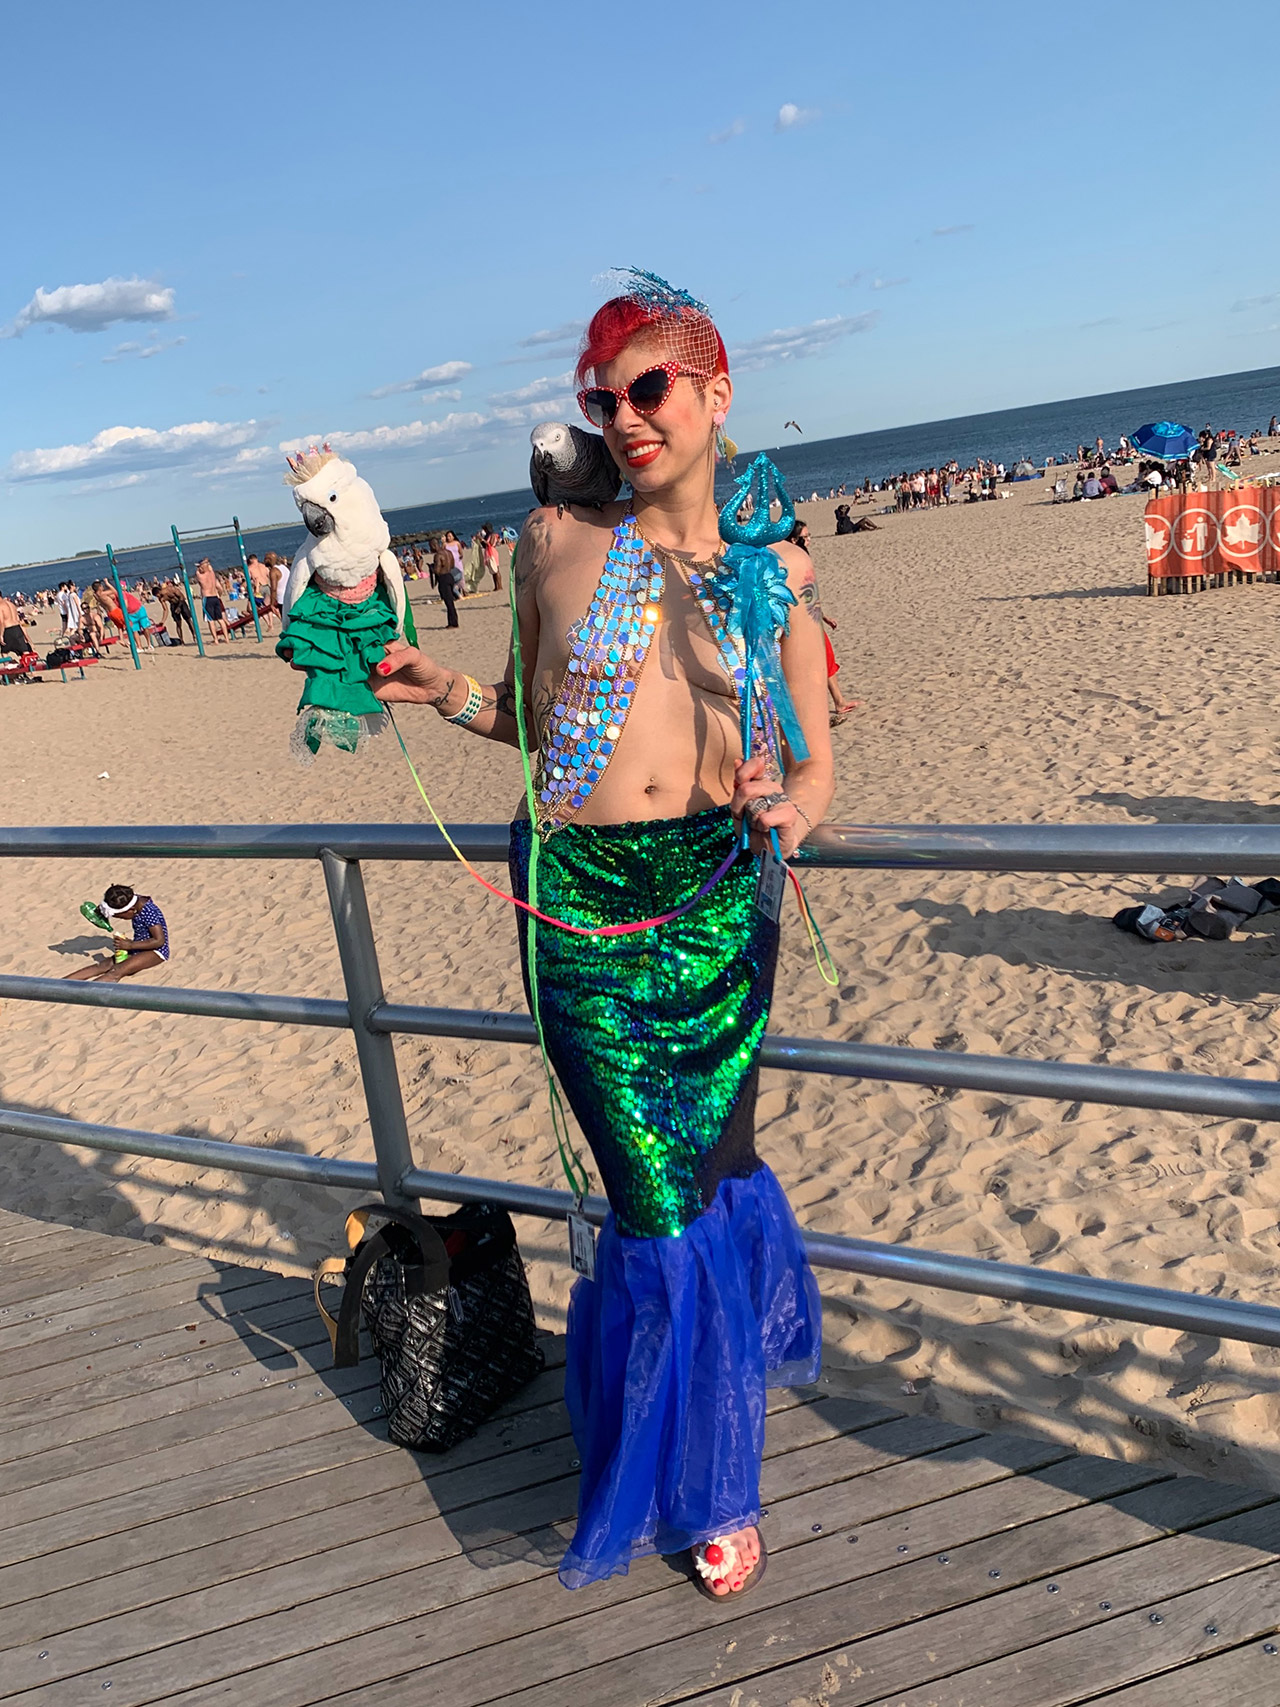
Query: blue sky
[{"x": 386, "y": 224}]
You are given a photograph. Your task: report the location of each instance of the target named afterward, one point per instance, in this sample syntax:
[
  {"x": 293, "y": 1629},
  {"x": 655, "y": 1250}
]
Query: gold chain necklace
[{"x": 683, "y": 559}]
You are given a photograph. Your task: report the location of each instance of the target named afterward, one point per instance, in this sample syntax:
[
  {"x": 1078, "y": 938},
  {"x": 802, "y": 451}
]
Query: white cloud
[
  {"x": 553, "y": 385},
  {"x": 127, "y": 450},
  {"x": 458, "y": 431},
  {"x": 142, "y": 352},
  {"x": 853, "y": 279},
  {"x": 729, "y": 132},
  {"x": 561, "y": 334},
  {"x": 790, "y": 115},
  {"x": 950, "y": 230},
  {"x": 244, "y": 462},
  {"x": 91, "y": 307},
  {"x": 887, "y": 284},
  {"x": 442, "y": 374},
  {"x": 793, "y": 343},
  {"x": 545, "y": 409},
  {"x": 1249, "y": 302}
]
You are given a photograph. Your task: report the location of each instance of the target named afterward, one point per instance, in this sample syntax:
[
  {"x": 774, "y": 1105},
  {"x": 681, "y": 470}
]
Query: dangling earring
[{"x": 726, "y": 450}]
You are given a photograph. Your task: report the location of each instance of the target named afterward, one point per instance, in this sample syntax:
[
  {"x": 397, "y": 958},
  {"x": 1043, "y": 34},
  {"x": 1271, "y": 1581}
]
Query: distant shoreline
[{"x": 1243, "y": 400}]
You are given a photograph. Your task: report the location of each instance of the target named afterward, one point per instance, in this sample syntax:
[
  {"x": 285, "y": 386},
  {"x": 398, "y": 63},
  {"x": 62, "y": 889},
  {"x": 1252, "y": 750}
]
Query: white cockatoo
[{"x": 348, "y": 541}]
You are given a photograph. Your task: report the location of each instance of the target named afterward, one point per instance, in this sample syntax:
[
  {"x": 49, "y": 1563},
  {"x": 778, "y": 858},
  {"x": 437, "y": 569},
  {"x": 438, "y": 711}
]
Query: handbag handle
[{"x": 344, "y": 1331}]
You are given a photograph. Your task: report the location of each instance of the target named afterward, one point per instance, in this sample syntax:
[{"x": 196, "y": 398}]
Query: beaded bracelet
[{"x": 471, "y": 710}]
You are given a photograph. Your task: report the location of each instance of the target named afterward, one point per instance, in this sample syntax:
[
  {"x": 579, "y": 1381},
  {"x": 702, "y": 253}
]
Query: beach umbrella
[{"x": 1165, "y": 440}]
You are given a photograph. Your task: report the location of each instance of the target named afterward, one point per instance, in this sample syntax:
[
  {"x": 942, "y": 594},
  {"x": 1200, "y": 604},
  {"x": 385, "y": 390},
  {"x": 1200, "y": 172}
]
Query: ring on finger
[{"x": 765, "y": 803}]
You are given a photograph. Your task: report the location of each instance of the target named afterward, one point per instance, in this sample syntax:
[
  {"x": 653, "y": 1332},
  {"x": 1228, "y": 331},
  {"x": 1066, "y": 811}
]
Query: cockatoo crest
[{"x": 307, "y": 463}]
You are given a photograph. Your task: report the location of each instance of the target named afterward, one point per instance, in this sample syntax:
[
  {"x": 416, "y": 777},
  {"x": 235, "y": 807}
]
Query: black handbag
[{"x": 446, "y": 1302}]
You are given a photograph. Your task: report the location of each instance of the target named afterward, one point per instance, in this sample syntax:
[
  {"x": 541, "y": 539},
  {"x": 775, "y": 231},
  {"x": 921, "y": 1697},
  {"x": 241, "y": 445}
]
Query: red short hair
[{"x": 690, "y": 337}]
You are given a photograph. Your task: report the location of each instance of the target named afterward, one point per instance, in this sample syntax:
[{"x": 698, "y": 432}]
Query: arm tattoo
[
  {"x": 440, "y": 698},
  {"x": 809, "y": 597},
  {"x": 531, "y": 551},
  {"x": 505, "y": 701}
]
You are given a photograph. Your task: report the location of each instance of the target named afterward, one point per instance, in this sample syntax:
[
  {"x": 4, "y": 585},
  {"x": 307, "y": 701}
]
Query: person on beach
[
  {"x": 840, "y": 706},
  {"x": 444, "y": 573},
  {"x": 13, "y": 636},
  {"x": 177, "y": 609},
  {"x": 702, "y": 1295},
  {"x": 260, "y": 584},
  {"x": 490, "y": 540},
  {"x": 147, "y": 946},
  {"x": 211, "y": 596}
]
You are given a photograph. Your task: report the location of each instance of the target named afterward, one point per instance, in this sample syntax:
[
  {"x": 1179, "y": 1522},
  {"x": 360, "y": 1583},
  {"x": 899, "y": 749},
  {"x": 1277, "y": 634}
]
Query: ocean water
[{"x": 1240, "y": 400}]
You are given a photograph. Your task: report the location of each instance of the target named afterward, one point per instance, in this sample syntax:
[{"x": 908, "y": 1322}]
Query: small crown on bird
[{"x": 307, "y": 464}]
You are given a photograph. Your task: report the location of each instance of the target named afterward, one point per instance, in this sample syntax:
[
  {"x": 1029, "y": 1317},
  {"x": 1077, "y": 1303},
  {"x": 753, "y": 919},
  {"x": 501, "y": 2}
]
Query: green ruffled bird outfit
[{"x": 338, "y": 645}]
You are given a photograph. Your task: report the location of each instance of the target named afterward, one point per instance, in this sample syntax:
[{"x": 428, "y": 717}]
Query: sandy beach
[{"x": 1013, "y": 670}]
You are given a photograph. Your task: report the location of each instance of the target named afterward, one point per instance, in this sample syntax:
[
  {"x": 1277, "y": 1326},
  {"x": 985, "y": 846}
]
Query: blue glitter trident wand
[{"x": 755, "y": 582}]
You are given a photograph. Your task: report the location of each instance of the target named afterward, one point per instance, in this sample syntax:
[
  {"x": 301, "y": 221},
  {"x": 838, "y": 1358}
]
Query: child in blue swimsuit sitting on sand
[{"x": 148, "y": 946}]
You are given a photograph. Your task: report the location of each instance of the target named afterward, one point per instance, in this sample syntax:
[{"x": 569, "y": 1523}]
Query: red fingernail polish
[{"x": 384, "y": 669}]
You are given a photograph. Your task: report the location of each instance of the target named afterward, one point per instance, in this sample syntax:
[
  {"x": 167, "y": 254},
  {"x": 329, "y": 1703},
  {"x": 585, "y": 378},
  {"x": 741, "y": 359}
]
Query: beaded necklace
[{"x": 608, "y": 649}]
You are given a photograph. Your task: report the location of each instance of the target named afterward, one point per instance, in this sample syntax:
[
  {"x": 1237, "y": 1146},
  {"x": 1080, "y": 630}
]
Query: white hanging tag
[
  {"x": 582, "y": 1245},
  {"x": 772, "y": 885}
]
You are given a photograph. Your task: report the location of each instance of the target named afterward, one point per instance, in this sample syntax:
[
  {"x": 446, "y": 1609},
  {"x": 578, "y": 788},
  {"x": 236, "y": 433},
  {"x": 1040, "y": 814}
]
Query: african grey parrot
[{"x": 569, "y": 466}]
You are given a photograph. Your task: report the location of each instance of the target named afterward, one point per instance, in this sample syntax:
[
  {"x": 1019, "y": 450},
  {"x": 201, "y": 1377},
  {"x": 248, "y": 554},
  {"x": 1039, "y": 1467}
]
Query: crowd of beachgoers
[
  {"x": 1218, "y": 448},
  {"x": 157, "y": 610}
]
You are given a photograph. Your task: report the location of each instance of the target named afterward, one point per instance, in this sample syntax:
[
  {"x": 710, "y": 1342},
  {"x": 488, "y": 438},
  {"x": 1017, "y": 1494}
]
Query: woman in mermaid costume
[{"x": 646, "y": 650}]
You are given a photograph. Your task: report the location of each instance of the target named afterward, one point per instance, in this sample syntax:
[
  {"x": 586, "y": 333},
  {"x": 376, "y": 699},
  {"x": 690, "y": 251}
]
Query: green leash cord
[{"x": 574, "y": 1170}]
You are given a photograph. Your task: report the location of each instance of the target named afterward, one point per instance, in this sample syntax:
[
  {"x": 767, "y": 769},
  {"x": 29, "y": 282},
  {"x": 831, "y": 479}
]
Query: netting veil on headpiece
[{"x": 648, "y": 306}]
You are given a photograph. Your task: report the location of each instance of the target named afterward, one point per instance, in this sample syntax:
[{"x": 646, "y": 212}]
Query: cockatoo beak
[{"x": 318, "y": 520}]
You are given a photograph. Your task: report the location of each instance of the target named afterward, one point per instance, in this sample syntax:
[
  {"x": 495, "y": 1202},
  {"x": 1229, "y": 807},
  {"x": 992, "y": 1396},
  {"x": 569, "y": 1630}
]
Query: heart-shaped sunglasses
[{"x": 646, "y": 394}]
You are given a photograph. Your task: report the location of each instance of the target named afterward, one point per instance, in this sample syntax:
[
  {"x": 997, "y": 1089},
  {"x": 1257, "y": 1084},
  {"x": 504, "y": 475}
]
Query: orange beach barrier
[{"x": 1212, "y": 539}]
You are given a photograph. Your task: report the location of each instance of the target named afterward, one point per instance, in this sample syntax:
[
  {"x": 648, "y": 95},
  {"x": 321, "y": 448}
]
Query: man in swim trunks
[
  {"x": 701, "y": 1296},
  {"x": 13, "y": 637},
  {"x": 211, "y": 593}
]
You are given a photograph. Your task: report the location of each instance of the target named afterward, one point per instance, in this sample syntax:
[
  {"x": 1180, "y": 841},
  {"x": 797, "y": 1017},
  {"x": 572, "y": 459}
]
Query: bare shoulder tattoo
[
  {"x": 533, "y": 550},
  {"x": 809, "y": 596}
]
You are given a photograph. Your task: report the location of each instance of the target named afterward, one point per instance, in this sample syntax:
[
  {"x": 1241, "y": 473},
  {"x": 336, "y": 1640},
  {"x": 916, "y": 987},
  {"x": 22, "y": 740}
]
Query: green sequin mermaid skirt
[{"x": 702, "y": 1296}]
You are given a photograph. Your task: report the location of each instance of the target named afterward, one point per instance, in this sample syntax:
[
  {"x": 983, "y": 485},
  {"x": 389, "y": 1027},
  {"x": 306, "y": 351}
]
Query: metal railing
[{"x": 1244, "y": 849}]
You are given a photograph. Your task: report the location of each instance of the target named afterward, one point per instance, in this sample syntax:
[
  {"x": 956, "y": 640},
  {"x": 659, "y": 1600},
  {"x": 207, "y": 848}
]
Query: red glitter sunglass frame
[{"x": 673, "y": 370}]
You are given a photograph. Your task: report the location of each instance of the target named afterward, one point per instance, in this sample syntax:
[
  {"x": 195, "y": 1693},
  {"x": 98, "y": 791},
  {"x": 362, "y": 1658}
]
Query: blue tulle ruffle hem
[{"x": 670, "y": 1350}]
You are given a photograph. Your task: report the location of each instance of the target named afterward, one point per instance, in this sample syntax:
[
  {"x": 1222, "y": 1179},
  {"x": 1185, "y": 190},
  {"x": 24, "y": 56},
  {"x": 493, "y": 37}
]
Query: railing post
[{"x": 363, "y": 980}]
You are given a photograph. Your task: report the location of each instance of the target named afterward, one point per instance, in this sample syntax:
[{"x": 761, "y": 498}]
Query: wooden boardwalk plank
[
  {"x": 1090, "y": 1665},
  {"x": 580, "y": 1627},
  {"x": 46, "y": 1264},
  {"x": 786, "y": 1612},
  {"x": 168, "y": 1447},
  {"x": 73, "y": 1504},
  {"x": 271, "y": 1330},
  {"x": 236, "y": 1538},
  {"x": 61, "y": 1570},
  {"x": 114, "y": 1307},
  {"x": 306, "y": 1619},
  {"x": 1244, "y": 1677},
  {"x": 169, "y": 1385},
  {"x": 330, "y": 1436},
  {"x": 195, "y": 1510},
  {"x": 990, "y": 1619}
]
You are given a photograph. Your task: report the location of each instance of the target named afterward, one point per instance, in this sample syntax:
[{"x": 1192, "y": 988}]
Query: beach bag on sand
[{"x": 446, "y": 1302}]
